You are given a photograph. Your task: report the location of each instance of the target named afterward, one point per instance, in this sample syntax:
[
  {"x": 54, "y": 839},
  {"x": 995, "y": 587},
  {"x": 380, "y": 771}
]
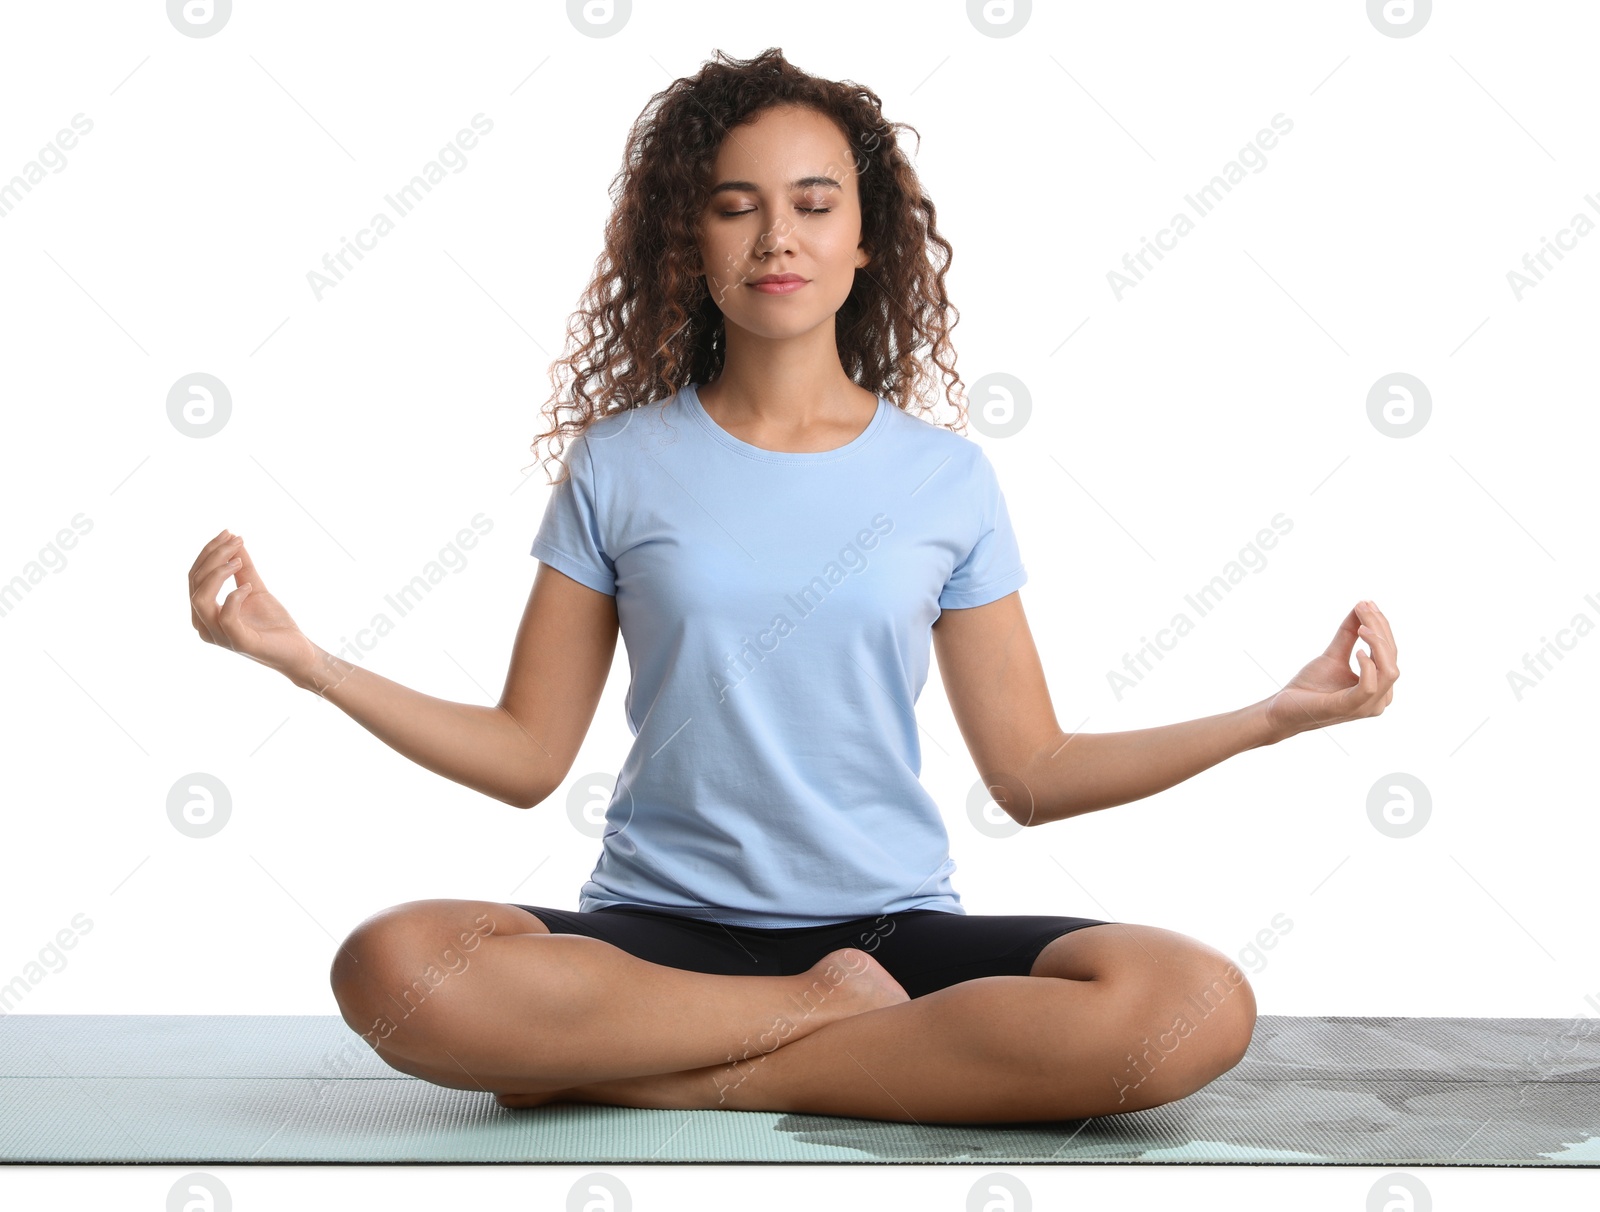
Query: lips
[{"x": 777, "y": 278}]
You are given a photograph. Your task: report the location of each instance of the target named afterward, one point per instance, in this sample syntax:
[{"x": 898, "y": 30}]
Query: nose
[{"x": 773, "y": 236}]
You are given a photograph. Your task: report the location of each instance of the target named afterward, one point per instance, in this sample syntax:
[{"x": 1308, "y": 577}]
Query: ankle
[{"x": 819, "y": 994}]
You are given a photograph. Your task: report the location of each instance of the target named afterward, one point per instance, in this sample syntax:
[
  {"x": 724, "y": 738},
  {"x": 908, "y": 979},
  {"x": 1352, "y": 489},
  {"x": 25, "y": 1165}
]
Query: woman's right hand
[{"x": 249, "y": 620}]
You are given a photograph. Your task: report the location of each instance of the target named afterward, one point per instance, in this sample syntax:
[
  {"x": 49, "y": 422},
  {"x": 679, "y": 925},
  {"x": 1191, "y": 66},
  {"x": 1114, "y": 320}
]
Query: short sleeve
[
  {"x": 993, "y": 567},
  {"x": 569, "y": 537}
]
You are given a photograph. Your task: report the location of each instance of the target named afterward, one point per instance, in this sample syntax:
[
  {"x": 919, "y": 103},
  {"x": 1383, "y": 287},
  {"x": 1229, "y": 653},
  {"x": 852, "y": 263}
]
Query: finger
[
  {"x": 205, "y": 599},
  {"x": 1378, "y": 623},
  {"x": 203, "y": 560},
  {"x": 197, "y": 571},
  {"x": 1383, "y": 653},
  {"x": 247, "y": 569},
  {"x": 207, "y": 560},
  {"x": 1365, "y": 688},
  {"x": 1381, "y": 619},
  {"x": 233, "y": 628},
  {"x": 1389, "y": 644},
  {"x": 1373, "y": 688}
]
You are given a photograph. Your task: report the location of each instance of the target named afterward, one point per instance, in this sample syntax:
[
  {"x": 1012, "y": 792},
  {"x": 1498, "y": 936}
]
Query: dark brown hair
[{"x": 647, "y": 325}]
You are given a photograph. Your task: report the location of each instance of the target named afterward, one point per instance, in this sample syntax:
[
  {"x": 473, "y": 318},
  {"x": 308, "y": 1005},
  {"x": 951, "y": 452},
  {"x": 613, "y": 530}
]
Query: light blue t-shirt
[{"x": 776, "y": 610}]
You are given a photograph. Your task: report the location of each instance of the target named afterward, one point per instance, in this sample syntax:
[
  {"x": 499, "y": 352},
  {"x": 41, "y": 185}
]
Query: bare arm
[
  {"x": 1086, "y": 771},
  {"x": 518, "y": 751},
  {"x": 1034, "y": 770},
  {"x": 481, "y": 747},
  {"x": 521, "y": 749},
  {"x": 1038, "y": 773}
]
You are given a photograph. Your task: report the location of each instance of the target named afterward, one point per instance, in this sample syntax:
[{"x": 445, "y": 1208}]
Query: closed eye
[{"x": 812, "y": 210}]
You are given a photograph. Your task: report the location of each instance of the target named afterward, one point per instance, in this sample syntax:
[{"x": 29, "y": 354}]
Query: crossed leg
[{"x": 1112, "y": 1018}]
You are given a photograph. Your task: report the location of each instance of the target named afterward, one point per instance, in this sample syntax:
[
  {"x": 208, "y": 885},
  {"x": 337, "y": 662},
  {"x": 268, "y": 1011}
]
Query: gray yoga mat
[{"x": 236, "y": 1089}]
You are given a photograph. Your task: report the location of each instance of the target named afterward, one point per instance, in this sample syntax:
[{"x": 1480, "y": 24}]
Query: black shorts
[{"x": 923, "y": 949}]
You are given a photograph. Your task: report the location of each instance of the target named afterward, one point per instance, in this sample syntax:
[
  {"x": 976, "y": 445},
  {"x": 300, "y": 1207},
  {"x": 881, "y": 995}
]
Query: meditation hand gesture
[
  {"x": 250, "y": 620},
  {"x": 1327, "y": 692}
]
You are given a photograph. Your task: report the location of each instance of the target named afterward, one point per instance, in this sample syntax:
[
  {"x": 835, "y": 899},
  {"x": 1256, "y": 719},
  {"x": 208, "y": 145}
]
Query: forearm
[
  {"x": 1086, "y": 771},
  {"x": 477, "y": 746}
]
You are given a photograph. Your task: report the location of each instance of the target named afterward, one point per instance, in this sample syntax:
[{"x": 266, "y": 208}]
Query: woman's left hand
[{"x": 1327, "y": 692}]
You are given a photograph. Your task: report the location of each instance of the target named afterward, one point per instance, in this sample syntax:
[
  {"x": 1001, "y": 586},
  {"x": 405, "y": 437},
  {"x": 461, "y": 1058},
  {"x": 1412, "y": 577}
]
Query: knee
[
  {"x": 397, "y": 957},
  {"x": 1242, "y": 1025},
  {"x": 1208, "y": 1001},
  {"x": 1225, "y": 1006},
  {"x": 377, "y": 954}
]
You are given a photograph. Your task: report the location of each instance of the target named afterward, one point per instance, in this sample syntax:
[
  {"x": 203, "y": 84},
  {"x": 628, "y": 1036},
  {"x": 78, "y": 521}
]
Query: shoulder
[
  {"x": 944, "y": 451},
  {"x": 621, "y": 436},
  {"x": 606, "y": 448}
]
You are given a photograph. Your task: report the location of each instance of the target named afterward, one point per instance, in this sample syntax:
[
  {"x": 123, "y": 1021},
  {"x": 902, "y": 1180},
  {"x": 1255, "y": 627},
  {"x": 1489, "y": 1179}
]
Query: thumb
[
  {"x": 1368, "y": 666},
  {"x": 1345, "y": 638},
  {"x": 228, "y": 617}
]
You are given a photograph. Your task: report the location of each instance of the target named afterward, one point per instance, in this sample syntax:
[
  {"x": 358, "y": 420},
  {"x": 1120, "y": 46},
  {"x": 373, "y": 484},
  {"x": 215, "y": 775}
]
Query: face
[{"x": 784, "y": 200}]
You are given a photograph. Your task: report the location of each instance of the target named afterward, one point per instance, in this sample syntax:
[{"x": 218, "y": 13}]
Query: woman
[{"x": 770, "y": 925}]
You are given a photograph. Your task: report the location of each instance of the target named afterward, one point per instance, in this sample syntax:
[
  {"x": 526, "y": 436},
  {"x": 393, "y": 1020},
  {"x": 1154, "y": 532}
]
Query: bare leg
[
  {"x": 1119, "y": 1017},
  {"x": 478, "y": 995}
]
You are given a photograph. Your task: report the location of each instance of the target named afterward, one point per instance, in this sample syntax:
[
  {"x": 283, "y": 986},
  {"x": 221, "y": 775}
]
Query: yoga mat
[{"x": 291, "y": 1089}]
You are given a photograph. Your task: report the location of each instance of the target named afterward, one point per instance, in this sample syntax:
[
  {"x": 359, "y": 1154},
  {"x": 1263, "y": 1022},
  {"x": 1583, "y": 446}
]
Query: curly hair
[{"x": 647, "y": 322}]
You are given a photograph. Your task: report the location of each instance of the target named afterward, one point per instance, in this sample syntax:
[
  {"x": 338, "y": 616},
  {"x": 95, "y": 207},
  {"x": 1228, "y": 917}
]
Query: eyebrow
[{"x": 752, "y": 187}]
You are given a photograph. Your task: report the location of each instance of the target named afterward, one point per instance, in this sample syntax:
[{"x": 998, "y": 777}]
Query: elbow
[
  {"x": 1043, "y": 814},
  {"x": 530, "y": 799}
]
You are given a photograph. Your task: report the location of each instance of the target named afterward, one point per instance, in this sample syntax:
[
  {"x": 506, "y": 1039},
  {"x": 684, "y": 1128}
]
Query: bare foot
[
  {"x": 535, "y": 1100},
  {"x": 842, "y": 983},
  {"x": 689, "y": 1090}
]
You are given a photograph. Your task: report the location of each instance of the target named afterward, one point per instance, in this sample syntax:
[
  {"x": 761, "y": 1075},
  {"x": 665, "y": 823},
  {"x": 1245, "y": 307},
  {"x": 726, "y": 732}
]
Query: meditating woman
[{"x": 749, "y": 500}]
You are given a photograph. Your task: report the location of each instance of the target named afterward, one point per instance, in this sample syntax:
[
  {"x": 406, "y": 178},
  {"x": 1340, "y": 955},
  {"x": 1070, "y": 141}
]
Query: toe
[{"x": 520, "y": 1099}]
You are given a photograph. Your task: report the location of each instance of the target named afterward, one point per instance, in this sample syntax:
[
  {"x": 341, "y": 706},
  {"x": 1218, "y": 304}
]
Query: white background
[{"x": 1166, "y": 429}]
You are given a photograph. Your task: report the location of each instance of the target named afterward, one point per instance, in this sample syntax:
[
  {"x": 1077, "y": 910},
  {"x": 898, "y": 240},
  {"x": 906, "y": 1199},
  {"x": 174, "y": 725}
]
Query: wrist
[
  {"x": 1263, "y": 728},
  {"x": 322, "y": 673}
]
